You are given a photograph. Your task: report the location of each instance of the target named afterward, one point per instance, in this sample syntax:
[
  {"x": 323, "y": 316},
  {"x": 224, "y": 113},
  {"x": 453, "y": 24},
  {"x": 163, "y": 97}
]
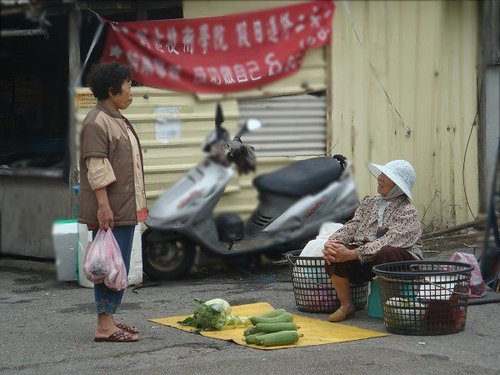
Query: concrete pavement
[{"x": 47, "y": 328}]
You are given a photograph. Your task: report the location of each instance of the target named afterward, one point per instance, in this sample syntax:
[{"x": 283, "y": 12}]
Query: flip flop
[
  {"x": 127, "y": 328},
  {"x": 118, "y": 336}
]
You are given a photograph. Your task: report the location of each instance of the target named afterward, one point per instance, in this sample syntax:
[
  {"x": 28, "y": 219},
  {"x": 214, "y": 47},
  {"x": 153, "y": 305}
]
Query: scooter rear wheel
[{"x": 168, "y": 259}]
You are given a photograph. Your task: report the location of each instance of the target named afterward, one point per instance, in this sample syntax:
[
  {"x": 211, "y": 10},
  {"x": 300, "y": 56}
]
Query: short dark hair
[{"x": 108, "y": 76}]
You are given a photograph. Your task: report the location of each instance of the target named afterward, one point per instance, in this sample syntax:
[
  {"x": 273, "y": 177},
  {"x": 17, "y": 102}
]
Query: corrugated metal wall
[{"x": 424, "y": 53}]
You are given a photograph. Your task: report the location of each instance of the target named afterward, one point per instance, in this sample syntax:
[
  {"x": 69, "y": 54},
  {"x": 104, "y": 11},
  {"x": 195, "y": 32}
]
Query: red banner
[{"x": 220, "y": 54}]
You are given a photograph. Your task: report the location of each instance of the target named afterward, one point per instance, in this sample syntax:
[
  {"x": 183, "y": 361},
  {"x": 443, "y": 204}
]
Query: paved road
[{"x": 47, "y": 328}]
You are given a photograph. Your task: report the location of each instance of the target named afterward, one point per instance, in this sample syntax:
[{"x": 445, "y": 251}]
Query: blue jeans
[{"x": 107, "y": 300}]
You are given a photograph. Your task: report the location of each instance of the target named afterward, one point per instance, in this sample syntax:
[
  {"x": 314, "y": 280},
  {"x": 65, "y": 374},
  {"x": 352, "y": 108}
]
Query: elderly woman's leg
[
  {"x": 355, "y": 272},
  {"x": 346, "y": 310},
  {"x": 342, "y": 276},
  {"x": 107, "y": 300}
]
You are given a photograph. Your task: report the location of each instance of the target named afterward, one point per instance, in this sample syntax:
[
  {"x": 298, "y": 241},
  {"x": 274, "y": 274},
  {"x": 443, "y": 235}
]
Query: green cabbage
[{"x": 213, "y": 315}]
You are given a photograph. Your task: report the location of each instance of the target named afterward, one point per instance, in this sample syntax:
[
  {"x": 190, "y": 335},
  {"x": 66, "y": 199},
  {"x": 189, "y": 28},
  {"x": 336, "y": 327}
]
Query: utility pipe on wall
[{"x": 24, "y": 32}]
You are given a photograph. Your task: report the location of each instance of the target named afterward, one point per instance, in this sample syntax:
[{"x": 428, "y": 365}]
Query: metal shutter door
[{"x": 291, "y": 125}]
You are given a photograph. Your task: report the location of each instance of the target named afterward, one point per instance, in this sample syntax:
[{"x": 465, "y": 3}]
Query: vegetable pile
[
  {"x": 274, "y": 328},
  {"x": 213, "y": 315}
]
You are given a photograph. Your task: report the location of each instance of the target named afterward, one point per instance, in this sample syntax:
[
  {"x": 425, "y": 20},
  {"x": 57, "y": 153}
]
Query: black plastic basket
[
  {"x": 313, "y": 288},
  {"x": 424, "y": 297}
]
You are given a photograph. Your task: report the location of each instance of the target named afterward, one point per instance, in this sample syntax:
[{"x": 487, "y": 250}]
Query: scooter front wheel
[{"x": 168, "y": 259}]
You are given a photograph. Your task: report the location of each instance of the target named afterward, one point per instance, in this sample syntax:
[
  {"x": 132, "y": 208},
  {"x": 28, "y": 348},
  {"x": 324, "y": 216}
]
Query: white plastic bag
[
  {"x": 327, "y": 229},
  {"x": 437, "y": 287},
  {"x": 314, "y": 248},
  {"x": 104, "y": 262}
]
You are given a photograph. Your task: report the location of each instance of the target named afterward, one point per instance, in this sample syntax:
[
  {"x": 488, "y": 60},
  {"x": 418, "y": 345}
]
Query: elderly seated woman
[{"x": 384, "y": 229}]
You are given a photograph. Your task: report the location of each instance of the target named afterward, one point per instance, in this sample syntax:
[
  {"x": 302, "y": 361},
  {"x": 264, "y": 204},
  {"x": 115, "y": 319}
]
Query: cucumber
[
  {"x": 252, "y": 339},
  {"x": 250, "y": 330},
  {"x": 278, "y": 338},
  {"x": 272, "y": 314},
  {"x": 282, "y": 318},
  {"x": 276, "y": 327}
]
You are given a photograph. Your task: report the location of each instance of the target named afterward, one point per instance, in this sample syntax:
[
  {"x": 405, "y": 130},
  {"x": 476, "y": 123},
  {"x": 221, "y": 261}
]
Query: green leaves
[{"x": 213, "y": 315}]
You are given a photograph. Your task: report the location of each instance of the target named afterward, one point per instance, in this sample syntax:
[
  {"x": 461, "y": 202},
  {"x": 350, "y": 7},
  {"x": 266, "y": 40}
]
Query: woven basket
[
  {"x": 424, "y": 297},
  {"x": 313, "y": 288}
]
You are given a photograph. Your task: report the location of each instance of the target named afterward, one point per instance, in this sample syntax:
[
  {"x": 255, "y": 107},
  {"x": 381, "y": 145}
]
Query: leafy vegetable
[{"x": 213, "y": 315}]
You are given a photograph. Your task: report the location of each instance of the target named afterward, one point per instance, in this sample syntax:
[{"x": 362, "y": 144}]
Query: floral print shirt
[{"x": 400, "y": 220}]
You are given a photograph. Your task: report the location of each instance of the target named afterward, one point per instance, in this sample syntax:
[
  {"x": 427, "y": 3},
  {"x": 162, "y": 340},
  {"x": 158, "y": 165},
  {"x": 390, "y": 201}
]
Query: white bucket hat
[{"x": 399, "y": 171}]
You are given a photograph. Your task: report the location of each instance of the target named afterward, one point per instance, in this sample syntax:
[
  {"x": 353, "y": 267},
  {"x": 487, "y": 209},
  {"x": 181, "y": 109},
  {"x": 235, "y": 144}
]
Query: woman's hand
[
  {"x": 336, "y": 252},
  {"x": 105, "y": 216},
  {"x": 328, "y": 250}
]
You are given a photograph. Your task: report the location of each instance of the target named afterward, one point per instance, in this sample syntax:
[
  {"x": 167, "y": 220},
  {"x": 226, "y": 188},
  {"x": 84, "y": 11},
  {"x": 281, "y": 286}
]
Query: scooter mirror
[{"x": 253, "y": 124}]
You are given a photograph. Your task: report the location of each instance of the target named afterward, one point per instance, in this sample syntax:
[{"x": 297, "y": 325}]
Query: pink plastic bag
[
  {"x": 477, "y": 285},
  {"x": 104, "y": 262},
  {"x": 96, "y": 263}
]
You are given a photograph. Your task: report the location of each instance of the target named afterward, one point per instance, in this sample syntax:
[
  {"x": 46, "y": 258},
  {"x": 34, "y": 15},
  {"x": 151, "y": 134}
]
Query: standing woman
[
  {"x": 112, "y": 195},
  {"x": 384, "y": 229}
]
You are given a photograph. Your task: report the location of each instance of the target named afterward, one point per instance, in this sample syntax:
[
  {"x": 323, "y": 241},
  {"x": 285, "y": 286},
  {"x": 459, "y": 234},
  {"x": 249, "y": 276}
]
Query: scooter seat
[{"x": 301, "y": 178}]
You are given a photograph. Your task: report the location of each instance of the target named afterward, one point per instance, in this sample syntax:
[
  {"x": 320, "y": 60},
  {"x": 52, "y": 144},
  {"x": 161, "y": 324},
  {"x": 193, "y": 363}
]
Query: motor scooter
[{"x": 293, "y": 202}]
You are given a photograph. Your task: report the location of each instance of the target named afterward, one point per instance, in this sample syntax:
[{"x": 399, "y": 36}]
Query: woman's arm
[
  {"x": 100, "y": 174},
  {"x": 334, "y": 251},
  {"x": 347, "y": 232},
  {"x": 105, "y": 215}
]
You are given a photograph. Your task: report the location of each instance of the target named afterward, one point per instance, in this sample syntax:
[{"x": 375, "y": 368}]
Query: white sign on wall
[{"x": 167, "y": 129}]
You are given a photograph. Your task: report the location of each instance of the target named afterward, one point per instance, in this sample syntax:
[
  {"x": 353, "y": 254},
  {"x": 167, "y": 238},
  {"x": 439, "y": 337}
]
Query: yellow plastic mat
[{"x": 316, "y": 332}]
